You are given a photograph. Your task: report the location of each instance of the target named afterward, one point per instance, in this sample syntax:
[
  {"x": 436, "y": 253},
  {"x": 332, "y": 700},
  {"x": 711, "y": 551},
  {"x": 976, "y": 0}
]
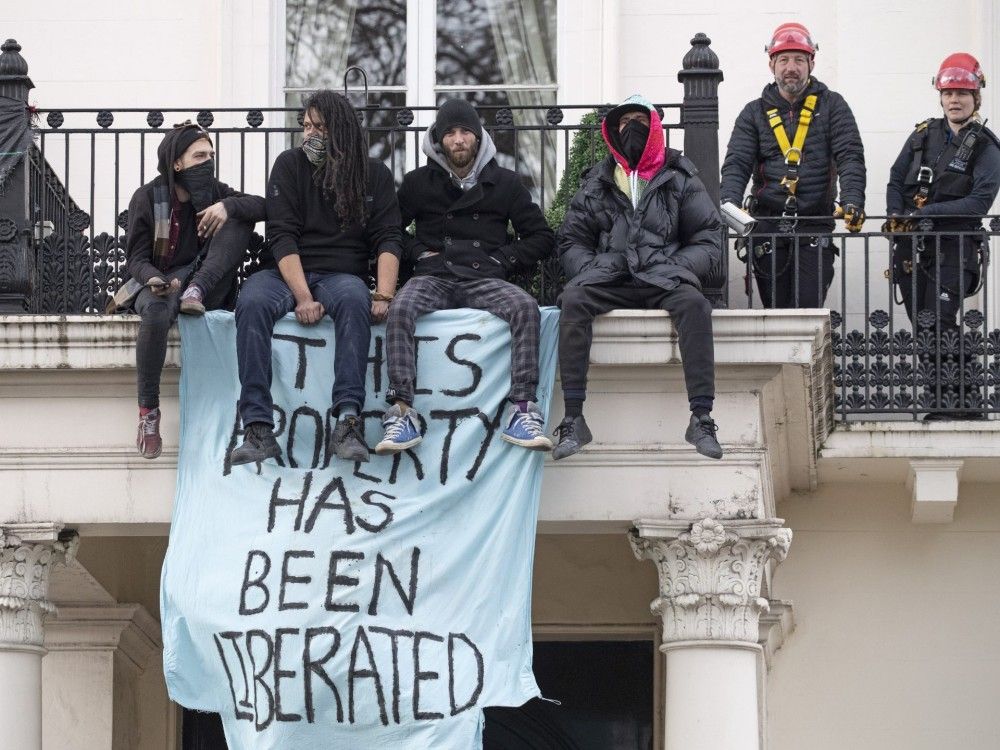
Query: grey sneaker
[
  {"x": 348, "y": 440},
  {"x": 573, "y": 435},
  {"x": 701, "y": 434},
  {"x": 258, "y": 445}
]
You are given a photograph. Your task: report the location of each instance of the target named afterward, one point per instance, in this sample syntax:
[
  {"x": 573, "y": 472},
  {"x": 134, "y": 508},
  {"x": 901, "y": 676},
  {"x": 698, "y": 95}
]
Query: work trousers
[{"x": 792, "y": 271}]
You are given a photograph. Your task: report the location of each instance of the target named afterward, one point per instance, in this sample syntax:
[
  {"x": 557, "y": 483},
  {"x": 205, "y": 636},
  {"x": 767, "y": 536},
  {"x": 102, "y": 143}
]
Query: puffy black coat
[
  {"x": 832, "y": 147},
  {"x": 468, "y": 229},
  {"x": 673, "y": 235}
]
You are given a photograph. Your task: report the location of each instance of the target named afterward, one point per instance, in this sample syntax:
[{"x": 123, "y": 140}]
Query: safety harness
[
  {"x": 925, "y": 177},
  {"x": 792, "y": 151}
]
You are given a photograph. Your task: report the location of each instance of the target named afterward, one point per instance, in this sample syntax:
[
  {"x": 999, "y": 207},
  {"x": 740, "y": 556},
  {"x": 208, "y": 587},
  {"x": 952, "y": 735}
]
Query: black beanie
[
  {"x": 175, "y": 143},
  {"x": 456, "y": 112}
]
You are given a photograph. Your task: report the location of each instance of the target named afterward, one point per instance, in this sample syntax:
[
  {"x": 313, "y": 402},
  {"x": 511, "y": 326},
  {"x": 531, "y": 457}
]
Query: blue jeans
[{"x": 264, "y": 299}]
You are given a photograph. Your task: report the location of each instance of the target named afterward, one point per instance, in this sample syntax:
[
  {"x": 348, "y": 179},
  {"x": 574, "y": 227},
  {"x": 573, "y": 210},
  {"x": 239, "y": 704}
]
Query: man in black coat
[
  {"x": 796, "y": 140},
  {"x": 949, "y": 167},
  {"x": 331, "y": 211},
  {"x": 462, "y": 202},
  {"x": 640, "y": 233},
  {"x": 186, "y": 231}
]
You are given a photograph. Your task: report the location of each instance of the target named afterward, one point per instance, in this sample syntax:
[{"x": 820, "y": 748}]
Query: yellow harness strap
[{"x": 792, "y": 151}]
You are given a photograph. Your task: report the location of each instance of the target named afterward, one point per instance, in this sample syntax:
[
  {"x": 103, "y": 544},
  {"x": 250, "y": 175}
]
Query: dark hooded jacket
[
  {"x": 142, "y": 227},
  {"x": 832, "y": 148},
  {"x": 673, "y": 234},
  {"x": 468, "y": 228}
]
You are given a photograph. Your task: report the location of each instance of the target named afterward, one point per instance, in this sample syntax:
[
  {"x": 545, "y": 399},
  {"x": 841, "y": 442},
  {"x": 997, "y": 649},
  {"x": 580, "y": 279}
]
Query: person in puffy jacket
[
  {"x": 795, "y": 177},
  {"x": 640, "y": 233}
]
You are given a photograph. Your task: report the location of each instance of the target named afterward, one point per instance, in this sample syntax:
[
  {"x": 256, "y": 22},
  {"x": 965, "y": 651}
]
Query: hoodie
[
  {"x": 487, "y": 150},
  {"x": 630, "y": 181}
]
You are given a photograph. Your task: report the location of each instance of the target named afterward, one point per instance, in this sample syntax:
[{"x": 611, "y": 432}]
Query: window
[{"x": 499, "y": 54}]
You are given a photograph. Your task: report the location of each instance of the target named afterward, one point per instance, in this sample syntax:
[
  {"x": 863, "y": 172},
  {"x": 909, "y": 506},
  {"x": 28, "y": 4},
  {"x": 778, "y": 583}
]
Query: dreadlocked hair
[{"x": 344, "y": 174}]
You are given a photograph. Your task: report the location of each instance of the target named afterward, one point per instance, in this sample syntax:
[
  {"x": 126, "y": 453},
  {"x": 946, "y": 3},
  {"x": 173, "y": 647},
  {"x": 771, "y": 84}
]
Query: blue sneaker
[
  {"x": 526, "y": 428},
  {"x": 402, "y": 431}
]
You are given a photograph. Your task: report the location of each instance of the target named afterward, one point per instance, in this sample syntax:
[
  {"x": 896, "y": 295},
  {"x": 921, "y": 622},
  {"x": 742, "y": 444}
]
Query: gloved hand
[
  {"x": 896, "y": 223},
  {"x": 853, "y": 216}
]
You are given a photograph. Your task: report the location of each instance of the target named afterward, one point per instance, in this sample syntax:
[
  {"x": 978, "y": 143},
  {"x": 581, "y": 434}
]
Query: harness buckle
[
  {"x": 925, "y": 176},
  {"x": 797, "y": 153}
]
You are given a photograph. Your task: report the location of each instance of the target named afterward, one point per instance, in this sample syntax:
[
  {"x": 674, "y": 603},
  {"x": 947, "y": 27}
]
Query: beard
[
  {"x": 461, "y": 159},
  {"x": 793, "y": 86}
]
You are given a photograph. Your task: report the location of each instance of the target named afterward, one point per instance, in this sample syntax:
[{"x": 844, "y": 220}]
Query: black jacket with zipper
[
  {"x": 832, "y": 149},
  {"x": 672, "y": 236}
]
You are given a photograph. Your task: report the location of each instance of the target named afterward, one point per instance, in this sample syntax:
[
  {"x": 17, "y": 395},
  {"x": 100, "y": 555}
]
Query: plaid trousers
[{"x": 424, "y": 294}]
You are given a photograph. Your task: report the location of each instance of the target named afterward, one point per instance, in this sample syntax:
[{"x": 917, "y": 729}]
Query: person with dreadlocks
[
  {"x": 187, "y": 233},
  {"x": 331, "y": 210}
]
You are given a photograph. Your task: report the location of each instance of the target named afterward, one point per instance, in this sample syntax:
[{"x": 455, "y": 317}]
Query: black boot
[
  {"x": 258, "y": 445},
  {"x": 701, "y": 434},
  {"x": 348, "y": 440}
]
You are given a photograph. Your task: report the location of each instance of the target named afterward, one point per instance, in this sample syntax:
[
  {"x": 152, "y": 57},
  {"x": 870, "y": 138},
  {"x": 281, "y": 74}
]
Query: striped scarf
[{"x": 165, "y": 232}]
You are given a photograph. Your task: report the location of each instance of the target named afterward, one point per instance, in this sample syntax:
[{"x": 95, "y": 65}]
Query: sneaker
[
  {"x": 348, "y": 440},
  {"x": 147, "y": 439},
  {"x": 573, "y": 435},
  {"x": 701, "y": 434},
  {"x": 402, "y": 431},
  {"x": 258, "y": 445},
  {"x": 526, "y": 428},
  {"x": 192, "y": 301}
]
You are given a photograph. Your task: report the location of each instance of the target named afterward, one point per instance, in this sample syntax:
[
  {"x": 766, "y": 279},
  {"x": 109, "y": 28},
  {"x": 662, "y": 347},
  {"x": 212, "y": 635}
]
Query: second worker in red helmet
[{"x": 795, "y": 141}]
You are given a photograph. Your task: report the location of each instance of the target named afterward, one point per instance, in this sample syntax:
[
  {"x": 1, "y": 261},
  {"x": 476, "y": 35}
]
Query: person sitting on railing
[
  {"x": 795, "y": 141},
  {"x": 640, "y": 233},
  {"x": 186, "y": 231},
  {"x": 461, "y": 203},
  {"x": 949, "y": 167},
  {"x": 330, "y": 211}
]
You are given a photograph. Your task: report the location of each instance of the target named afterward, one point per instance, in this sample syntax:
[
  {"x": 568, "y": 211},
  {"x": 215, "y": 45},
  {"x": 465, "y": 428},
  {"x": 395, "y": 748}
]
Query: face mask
[
  {"x": 199, "y": 181},
  {"x": 315, "y": 148},
  {"x": 633, "y": 139}
]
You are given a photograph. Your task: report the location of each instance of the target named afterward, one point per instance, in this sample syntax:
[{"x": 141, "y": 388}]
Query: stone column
[
  {"x": 27, "y": 552},
  {"x": 711, "y": 577}
]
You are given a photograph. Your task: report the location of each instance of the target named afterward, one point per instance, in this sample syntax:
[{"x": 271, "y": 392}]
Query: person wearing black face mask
[
  {"x": 640, "y": 233},
  {"x": 186, "y": 231}
]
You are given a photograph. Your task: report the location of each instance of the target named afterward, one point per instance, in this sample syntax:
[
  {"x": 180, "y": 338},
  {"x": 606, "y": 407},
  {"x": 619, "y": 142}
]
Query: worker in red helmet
[
  {"x": 945, "y": 178},
  {"x": 795, "y": 142}
]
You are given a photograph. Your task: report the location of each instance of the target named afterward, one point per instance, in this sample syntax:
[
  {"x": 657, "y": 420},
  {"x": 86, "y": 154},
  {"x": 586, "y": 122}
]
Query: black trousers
[
  {"x": 215, "y": 277},
  {"x": 691, "y": 313},
  {"x": 792, "y": 272},
  {"x": 932, "y": 292}
]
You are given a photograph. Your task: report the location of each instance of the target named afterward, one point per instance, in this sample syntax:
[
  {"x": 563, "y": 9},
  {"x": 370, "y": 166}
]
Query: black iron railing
[{"x": 944, "y": 361}]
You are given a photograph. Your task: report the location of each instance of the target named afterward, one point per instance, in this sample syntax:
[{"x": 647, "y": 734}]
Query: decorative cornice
[
  {"x": 710, "y": 575},
  {"x": 27, "y": 553}
]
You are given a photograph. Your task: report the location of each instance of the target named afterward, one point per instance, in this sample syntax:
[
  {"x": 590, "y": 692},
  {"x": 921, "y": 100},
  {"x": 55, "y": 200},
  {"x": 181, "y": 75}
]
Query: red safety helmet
[
  {"x": 791, "y": 37},
  {"x": 959, "y": 71}
]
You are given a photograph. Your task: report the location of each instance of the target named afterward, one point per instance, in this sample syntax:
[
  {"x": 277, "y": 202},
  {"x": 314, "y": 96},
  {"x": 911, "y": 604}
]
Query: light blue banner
[{"x": 322, "y": 604}]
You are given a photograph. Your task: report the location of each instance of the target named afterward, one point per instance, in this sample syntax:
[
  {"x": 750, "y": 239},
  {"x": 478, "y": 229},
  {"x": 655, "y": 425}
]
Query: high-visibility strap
[{"x": 793, "y": 151}]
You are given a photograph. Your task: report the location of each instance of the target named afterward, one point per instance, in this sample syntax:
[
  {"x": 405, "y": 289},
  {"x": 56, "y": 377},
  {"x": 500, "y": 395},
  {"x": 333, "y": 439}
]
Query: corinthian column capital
[
  {"x": 27, "y": 553},
  {"x": 711, "y": 573}
]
